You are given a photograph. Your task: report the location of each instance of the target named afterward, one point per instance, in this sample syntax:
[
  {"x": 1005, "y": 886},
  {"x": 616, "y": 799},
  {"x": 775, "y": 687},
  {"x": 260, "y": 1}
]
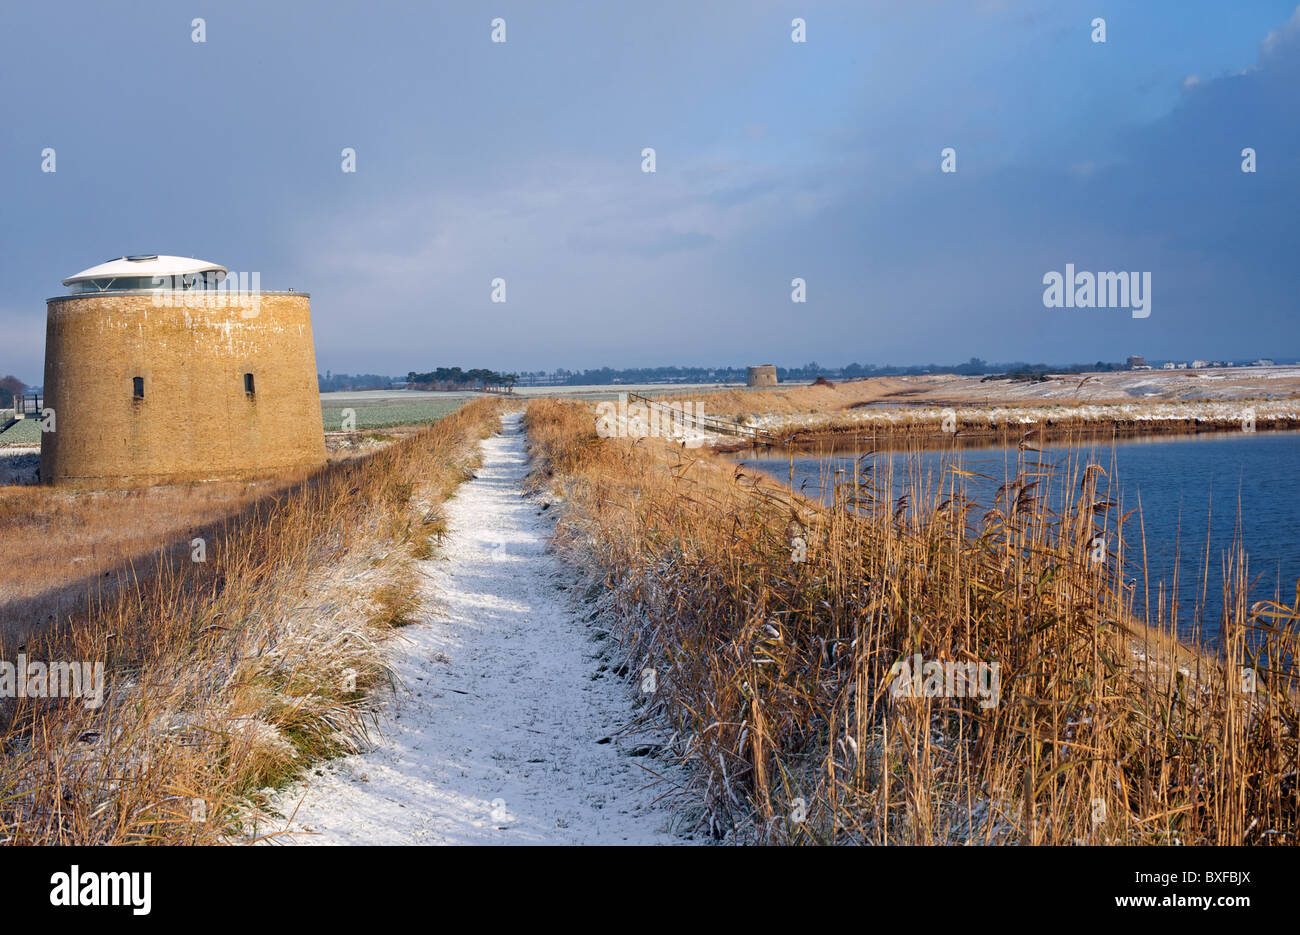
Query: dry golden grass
[
  {"x": 228, "y": 676},
  {"x": 62, "y": 546},
  {"x": 901, "y": 411},
  {"x": 737, "y": 404},
  {"x": 846, "y": 415},
  {"x": 793, "y": 400},
  {"x": 774, "y": 675}
]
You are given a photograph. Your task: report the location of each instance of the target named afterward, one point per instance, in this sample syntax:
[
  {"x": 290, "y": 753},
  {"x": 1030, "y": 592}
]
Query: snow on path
[{"x": 495, "y": 736}]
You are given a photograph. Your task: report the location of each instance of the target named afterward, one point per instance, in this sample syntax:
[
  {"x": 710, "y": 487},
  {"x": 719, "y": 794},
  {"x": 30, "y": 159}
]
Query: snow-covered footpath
[{"x": 504, "y": 729}]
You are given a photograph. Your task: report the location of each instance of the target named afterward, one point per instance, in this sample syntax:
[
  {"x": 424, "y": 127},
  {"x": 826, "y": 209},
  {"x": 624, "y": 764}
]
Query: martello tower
[{"x": 161, "y": 369}]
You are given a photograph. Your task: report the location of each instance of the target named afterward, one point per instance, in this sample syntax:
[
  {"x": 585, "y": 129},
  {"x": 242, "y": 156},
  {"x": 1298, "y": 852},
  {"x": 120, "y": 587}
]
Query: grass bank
[
  {"x": 776, "y": 627},
  {"x": 225, "y": 677}
]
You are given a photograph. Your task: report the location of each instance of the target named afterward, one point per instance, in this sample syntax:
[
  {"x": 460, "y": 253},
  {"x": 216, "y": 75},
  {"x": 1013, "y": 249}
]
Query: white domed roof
[{"x": 146, "y": 265}]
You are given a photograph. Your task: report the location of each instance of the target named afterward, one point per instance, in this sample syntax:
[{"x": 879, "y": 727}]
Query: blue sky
[{"x": 775, "y": 160}]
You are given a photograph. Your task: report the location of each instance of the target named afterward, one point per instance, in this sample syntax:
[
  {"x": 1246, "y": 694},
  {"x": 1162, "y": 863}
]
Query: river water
[{"x": 1192, "y": 492}]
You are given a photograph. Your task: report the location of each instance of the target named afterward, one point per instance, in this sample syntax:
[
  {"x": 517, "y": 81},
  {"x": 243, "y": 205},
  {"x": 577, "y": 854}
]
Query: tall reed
[{"x": 779, "y": 677}]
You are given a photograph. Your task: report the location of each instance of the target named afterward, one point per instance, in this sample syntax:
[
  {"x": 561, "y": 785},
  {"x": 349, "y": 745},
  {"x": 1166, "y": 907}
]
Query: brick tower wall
[
  {"x": 195, "y": 421},
  {"x": 762, "y": 375}
]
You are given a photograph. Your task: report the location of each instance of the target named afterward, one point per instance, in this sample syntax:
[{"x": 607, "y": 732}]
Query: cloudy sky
[{"x": 774, "y": 160}]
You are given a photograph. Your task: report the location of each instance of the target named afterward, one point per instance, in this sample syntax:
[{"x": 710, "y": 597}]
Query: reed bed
[
  {"x": 775, "y": 627},
  {"x": 898, "y": 424},
  {"x": 794, "y": 404},
  {"x": 226, "y": 677}
]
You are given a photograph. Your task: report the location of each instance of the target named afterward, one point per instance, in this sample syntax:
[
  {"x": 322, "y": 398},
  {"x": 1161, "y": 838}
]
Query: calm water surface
[{"x": 1191, "y": 489}]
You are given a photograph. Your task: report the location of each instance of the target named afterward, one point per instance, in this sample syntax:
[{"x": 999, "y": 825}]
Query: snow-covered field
[
  {"x": 1222, "y": 383},
  {"x": 505, "y": 730},
  {"x": 1203, "y": 412}
]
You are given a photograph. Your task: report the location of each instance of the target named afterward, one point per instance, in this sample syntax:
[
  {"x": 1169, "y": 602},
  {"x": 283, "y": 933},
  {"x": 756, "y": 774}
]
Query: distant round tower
[
  {"x": 161, "y": 369},
  {"x": 762, "y": 375}
]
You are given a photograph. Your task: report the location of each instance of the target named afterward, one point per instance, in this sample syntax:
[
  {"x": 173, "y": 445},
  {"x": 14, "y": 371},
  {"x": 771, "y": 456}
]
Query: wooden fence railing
[{"x": 710, "y": 423}]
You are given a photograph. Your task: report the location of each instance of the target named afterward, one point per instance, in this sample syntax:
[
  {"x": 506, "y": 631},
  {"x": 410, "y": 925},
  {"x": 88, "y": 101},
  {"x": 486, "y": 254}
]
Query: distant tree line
[
  {"x": 10, "y": 386},
  {"x": 454, "y": 378},
  {"x": 810, "y": 371},
  {"x": 333, "y": 382}
]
